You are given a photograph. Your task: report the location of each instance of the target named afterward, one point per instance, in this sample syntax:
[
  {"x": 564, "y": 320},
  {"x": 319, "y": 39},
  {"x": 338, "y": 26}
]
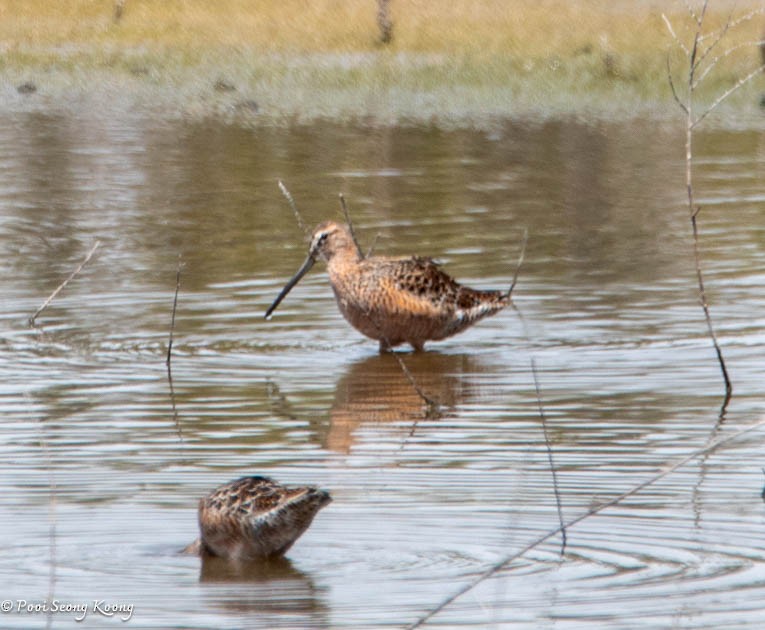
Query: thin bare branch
[
  {"x": 52, "y": 521},
  {"x": 667, "y": 469},
  {"x": 688, "y": 108},
  {"x": 703, "y": 466},
  {"x": 713, "y": 45},
  {"x": 744, "y": 18},
  {"x": 692, "y": 58},
  {"x": 522, "y": 255},
  {"x": 176, "y": 417},
  {"x": 739, "y": 84},
  {"x": 674, "y": 35},
  {"x": 280, "y": 406},
  {"x": 433, "y": 406},
  {"x": 672, "y": 86},
  {"x": 347, "y": 216},
  {"x": 723, "y": 55},
  {"x": 695, "y": 49},
  {"x": 691, "y": 12},
  {"x": 291, "y": 201},
  {"x": 707, "y": 316},
  {"x": 372, "y": 246},
  {"x": 168, "y": 360},
  {"x": 64, "y": 283},
  {"x": 700, "y": 20},
  {"x": 175, "y": 306},
  {"x": 548, "y": 445}
]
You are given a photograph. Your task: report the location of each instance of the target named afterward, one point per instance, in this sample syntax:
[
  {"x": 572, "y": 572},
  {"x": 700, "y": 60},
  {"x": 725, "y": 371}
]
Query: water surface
[{"x": 100, "y": 481}]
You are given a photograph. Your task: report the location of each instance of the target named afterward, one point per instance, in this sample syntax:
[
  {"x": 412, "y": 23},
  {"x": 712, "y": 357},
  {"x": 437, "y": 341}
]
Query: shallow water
[{"x": 100, "y": 482}]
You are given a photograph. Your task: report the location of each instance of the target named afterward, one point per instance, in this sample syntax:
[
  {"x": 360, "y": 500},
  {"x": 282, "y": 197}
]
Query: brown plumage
[
  {"x": 394, "y": 300},
  {"x": 254, "y": 518}
]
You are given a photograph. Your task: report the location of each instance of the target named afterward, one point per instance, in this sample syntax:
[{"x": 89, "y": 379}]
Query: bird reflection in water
[
  {"x": 246, "y": 526},
  {"x": 375, "y": 390},
  {"x": 274, "y": 587}
]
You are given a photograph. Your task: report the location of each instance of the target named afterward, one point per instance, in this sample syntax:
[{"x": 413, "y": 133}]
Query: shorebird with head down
[
  {"x": 255, "y": 518},
  {"x": 394, "y": 300}
]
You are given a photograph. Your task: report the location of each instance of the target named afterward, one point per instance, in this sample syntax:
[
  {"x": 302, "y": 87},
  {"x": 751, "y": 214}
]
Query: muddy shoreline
[{"x": 298, "y": 91}]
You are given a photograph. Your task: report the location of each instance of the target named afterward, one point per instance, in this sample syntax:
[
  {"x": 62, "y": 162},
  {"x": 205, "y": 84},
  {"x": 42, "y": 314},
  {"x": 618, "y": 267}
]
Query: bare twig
[
  {"x": 672, "y": 86},
  {"x": 703, "y": 468},
  {"x": 291, "y": 201},
  {"x": 744, "y": 18},
  {"x": 176, "y": 418},
  {"x": 520, "y": 261},
  {"x": 548, "y": 445},
  {"x": 372, "y": 246},
  {"x": 697, "y": 262},
  {"x": 168, "y": 360},
  {"x": 543, "y": 417},
  {"x": 64, "y": 283},
  {"x": 347, "y": 216},
  {"x": 700, "y": 19},
  {"x": 691, "y": 12},
  {"x": 692, "y": 58},
  {"x": 175, "y": 306},
  {"x": 674, "y": 36},
  {"x": 724, "y": 55},
  {"x": 52, "y": 523},
  {"x": 707, "y": 316},
  {"x": 280, "y": 406},
  {"x": 739, "y": 84},
  {"x": 501, "y": 564},
  {"x": 433, "y": 406},
  {"x": 717, "y": 40},
  {"x": 691, "y": 121}
]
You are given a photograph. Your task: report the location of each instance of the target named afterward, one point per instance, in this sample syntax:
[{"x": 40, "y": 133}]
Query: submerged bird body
[
  {"x": 254, "y": 518},
  {"x": 394, "y": 300}
]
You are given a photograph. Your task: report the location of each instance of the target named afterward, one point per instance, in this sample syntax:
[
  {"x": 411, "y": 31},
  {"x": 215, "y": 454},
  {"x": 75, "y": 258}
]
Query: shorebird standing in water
[
  {"x": 255, "y": 518},
  {"x": 394, "y": 300}
]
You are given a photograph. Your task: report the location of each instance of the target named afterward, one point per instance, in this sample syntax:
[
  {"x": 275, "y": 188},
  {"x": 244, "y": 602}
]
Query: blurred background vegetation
[{"x": 535, "y": 49}]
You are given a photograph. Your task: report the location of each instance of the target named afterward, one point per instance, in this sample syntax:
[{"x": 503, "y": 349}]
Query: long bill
[{"x": 304, "y": 269}]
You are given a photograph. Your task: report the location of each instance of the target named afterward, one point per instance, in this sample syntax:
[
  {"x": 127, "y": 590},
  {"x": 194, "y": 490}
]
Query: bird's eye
[{"x": 318, "y": 241}]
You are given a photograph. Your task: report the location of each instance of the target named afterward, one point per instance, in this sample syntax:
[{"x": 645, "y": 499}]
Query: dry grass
[
  {"x": 524, "y": 45},
  {"x": 524, "y": 28}
]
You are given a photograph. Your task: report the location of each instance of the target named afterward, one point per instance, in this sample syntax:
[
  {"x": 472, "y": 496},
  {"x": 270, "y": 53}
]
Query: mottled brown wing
[
  {"x": 255, "y": 517},
  {"x": 423, "y": 280},
  {"x": 253, "y": 494}
]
